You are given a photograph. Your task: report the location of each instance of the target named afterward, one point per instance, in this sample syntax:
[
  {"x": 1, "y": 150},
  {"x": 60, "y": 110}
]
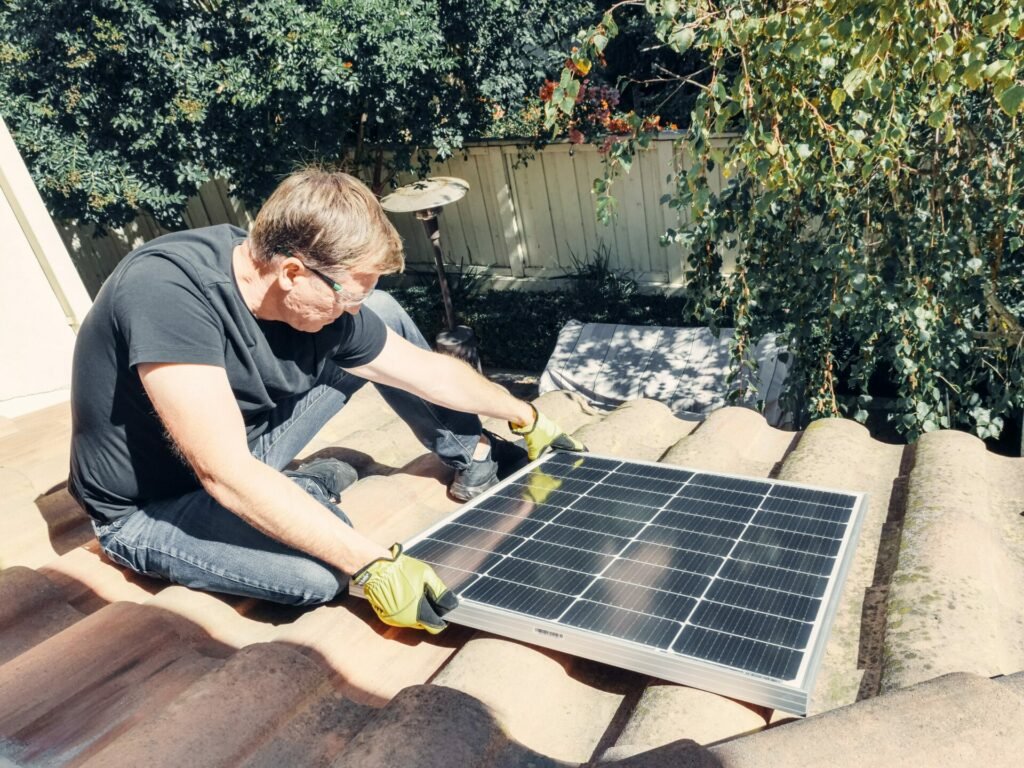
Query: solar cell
[{"x": 721, "y": 582}]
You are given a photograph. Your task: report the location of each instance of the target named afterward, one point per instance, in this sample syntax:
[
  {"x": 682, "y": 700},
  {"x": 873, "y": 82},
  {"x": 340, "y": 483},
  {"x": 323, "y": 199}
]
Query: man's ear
[{"x": 287, "y": 271}]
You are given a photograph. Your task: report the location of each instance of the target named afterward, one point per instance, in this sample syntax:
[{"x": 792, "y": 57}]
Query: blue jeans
[{"x": 194, "y": 541}]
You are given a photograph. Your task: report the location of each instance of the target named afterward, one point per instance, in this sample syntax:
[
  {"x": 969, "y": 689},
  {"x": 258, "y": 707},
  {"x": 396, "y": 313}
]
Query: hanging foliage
[{"x": 873, "y": 169}]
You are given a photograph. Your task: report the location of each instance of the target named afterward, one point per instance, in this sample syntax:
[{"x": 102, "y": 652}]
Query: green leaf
[
  {"x": 803, "y": 151},
  {"x": 942, "y": 71},
  {"x": 973, "y": 75},
  {"x": 854, "y": 80},
  {"x": 608, "y": 22},
  {"x": 949, "y": 132},
  {"x": 681, "y": 39},
  {"x": 998, "y": 71},
  {"x": 945, "y": 45},
  {"x": 838, "y": 97},
  {"x": 994, "y": 23},
  {"x": 1011, "y": 99}
]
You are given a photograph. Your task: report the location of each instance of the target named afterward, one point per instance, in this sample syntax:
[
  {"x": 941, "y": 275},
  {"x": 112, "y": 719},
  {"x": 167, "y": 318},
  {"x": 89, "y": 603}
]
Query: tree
[
  {"x": 874, "y": 195},
  {"x": 132, "y": 104}
]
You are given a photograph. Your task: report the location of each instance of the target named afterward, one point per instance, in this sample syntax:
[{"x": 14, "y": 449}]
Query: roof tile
[
  {"x": 428, "y": 726},
  {"x": 551, "y": 703},
  {"x": 225, "y": 714},
  {"x": 839, "y": 453},
  {"x": 641, "y": 430},
  {"x": 83, "y": 685},
  {"x": 957, "y": 597},
  {"x": 89, "y": 580},
  {"x": 953, "y": 721},
  {"x": 31, "y": 610},
  {"x": 162, "y": 676},
  {"x": 736, "y": 441}
]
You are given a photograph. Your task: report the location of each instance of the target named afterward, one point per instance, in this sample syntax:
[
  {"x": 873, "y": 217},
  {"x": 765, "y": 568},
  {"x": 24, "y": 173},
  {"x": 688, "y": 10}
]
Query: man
[{"x": 210, "y": 358}]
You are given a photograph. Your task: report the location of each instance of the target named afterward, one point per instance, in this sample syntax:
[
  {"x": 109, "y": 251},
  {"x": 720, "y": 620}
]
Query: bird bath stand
[{"x": 426, "y": 198}]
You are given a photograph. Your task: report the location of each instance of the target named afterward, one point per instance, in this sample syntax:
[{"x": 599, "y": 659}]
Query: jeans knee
[{"x": 314, "y": 584}]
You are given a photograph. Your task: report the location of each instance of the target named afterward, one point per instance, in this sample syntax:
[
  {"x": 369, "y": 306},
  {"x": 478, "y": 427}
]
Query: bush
[
  {"x": 518, "y": 329},
  {"x": 132, "y": 105},
  {"x": 874, "y": 194}
]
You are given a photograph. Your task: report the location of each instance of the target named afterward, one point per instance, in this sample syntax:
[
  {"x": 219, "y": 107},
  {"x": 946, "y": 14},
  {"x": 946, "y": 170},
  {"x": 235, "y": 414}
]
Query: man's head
[
  {"x": 323, "y": 240},
  {"x": 329, "y": 220}
]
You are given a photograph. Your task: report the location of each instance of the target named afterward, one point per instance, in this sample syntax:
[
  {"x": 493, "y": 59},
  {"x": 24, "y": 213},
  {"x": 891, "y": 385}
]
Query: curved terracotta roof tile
[{"x": 98, "y": 666}]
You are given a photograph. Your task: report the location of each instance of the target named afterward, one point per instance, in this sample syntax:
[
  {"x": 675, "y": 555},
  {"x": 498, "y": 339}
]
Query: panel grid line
[
  {"x": 667, "y": 546},
  {"x": 634, "y": 539},
  {"x": 611, "y": 578},
  {"x": 725, "y": 560},
  {"x": 730, "y": 572}
]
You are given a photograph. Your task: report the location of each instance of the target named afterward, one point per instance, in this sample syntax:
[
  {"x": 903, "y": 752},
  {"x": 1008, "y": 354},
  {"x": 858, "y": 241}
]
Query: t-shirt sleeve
[
  {"x": 164, "y": 317},
  {"x": 364, "y": 340}
]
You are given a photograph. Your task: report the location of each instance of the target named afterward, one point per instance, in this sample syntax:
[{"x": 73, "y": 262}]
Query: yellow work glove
[
  {"x": 542, "y": 434},
  {"x": 405, "y": 592}
]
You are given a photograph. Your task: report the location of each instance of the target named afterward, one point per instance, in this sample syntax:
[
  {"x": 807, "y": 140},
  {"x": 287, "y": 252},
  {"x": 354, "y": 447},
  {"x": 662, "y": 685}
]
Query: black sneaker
[
  {"x": 333, "y": 475},
  {"x": 470, "y": 482},
  {"x": 501, "y": 461}
]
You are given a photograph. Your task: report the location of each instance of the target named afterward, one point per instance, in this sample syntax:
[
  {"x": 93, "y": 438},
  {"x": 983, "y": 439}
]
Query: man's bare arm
[
  {"x": 442, "y": 380},
  {"x": 199, "y": 411}
]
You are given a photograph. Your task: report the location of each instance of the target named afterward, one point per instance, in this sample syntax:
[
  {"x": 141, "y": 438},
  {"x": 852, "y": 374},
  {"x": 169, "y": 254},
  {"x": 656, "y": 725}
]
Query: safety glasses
[{"x": 341, "y": 294}]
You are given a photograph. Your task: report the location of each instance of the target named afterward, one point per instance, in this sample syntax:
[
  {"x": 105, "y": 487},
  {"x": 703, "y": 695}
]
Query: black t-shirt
[{"x": 175, "y": 300}]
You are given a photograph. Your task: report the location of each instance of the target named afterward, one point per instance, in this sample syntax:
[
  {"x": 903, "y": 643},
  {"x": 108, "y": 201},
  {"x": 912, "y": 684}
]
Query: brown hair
[{"x": 329, "y": 220}]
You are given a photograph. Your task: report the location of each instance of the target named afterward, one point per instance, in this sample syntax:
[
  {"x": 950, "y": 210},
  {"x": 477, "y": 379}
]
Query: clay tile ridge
[{"x": 923, "y": 666}]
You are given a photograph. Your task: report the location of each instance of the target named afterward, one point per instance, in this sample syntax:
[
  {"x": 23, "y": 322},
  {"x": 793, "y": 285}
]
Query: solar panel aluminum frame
[{"x": 789, "y": 696}]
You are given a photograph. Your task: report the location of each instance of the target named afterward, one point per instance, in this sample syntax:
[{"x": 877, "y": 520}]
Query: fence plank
[
  {"x": 455, "y": 236},
  {"x": 505, "y": 163},
  {"x": 209, "y": 195},
  {"x": 530, "y": 193},
  {"x": 518, "y": 219},
  {"x": 634, "y": 225},
  {"x": 566, "y": 217},
  {"x": 491, "y": 190},
  {"x": 585, "y": 170},
  {"x": 235, "y": 211},
  {"x": 652, "y": 188},
  {"x": 472, "y": 211}
]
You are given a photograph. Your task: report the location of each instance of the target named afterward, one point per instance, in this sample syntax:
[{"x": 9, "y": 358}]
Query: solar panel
[{"x": 724, "y": 583}]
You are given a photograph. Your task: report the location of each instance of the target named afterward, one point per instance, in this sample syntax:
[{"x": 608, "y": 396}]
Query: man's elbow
[{"x": 223, "y": 477}]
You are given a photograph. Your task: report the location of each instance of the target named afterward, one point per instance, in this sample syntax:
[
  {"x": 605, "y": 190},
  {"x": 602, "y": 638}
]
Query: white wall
[{"x": 42, "y": 299}]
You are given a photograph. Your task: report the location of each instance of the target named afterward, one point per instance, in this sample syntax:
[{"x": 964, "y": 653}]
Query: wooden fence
[{"x": 522, "y": 222}]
